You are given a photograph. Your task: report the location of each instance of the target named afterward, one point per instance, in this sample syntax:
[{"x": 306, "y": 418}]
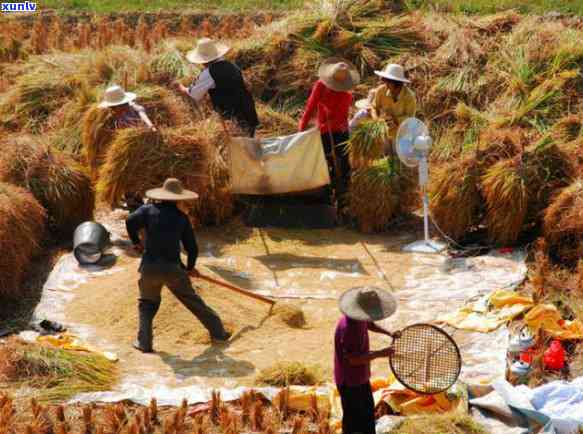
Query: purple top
[
  {"x": 351, "y": 338},
  {"x": 130, "y": 117}
]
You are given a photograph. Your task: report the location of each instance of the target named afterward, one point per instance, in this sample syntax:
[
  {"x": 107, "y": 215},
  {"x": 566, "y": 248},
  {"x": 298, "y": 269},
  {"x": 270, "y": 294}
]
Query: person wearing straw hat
[
  {"x": 364, "y": 107},
  {"x": 329, "y": 103},
  {"x": 166, "y": 228},
  {"x": 224, "y": 83},
  {"x": 126, "y": 114},
  {"x": 394, "y": 101},
  {"x": 352, "y": 356}
]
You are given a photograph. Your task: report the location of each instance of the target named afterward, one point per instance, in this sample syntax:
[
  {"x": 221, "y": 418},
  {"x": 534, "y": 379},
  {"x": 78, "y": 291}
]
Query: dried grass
[
  {"x": 22, "y": 231},
  {"x": 376, "y": 194},
  {"x": 449, "y": 423},
  {"x": 506, "y": 194},
  {"x": 367, "y": 142},
  {"x": 54, "y": 374},
  {"x": 563, "y": 225},
  {"x": 55, "y": 179},
  {"x": 285, "y": 374},
  {"x": 96, "y": 135},
  {"x": 455, "y": 198},
  {"x": 291, "y": 315},
  {"x": 274, "y": 123}
]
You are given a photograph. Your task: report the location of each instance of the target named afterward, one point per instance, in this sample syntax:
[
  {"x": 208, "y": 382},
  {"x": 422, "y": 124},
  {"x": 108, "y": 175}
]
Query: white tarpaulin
[{"x": 285, "y": 164}]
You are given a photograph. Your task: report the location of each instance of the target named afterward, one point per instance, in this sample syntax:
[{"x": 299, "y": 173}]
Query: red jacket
[{"x": 332, "y": 108}]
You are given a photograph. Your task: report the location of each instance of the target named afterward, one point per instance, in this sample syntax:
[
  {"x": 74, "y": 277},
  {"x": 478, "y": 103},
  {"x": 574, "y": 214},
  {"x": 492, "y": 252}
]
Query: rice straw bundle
[
  {"x": 139, "y": 159},
  {"x": 455, "y": 198},
  {"x": 568, "y": 129},
  {"x": 22, "y": 231},
  {"x": 34, "y": 97},
  {"x": 55, "y": 374},
  {"x": 376, "y": 194},
  {"x": 506, "y": 194},
  {"x": 367, "y": 142},
  {"x": 497, "y": 144},
  {"x": 274, "y": 123},
  {"x": 168, "y": 66},
  {"x": 563, "y": 225},
  {"x": 55, "y": 179},
  {"x": 97, "y": 132},
  {"x": 285, "y": 374}
]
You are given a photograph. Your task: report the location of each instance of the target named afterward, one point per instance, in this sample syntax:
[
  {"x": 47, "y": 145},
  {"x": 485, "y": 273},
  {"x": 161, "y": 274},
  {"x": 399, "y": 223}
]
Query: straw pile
[
  {"x": 164, "y": 108},
  {"x": 367, "y": 142},
  {"x": 54, "y": 374},
  {"x": 285, "y": 374},
  {"x": 55, "y": 179},
  {"x": 139, "y": 159},
  {"x": 376, "y": 194},
  {"x": 274, "y": 123},
  {"x": 455, "y": 199},
  {"x": 291, "y": 315},
  {"x": 563, "y": 225},
  {"x": 22, "y": 230}
]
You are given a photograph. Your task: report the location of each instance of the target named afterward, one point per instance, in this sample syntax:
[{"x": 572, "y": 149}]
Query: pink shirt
[{"x": 351, "y": 338}]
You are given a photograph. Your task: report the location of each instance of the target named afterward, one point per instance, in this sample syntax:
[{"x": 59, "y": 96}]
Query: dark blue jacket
[{"x": 166, "y": 226}]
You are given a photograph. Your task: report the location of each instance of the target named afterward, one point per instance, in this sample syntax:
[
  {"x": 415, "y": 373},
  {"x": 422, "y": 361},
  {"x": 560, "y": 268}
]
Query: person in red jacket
[{"x": 330, "y": 103}]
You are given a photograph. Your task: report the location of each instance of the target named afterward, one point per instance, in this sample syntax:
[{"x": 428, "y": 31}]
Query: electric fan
[{"x": 412, "y": 145}]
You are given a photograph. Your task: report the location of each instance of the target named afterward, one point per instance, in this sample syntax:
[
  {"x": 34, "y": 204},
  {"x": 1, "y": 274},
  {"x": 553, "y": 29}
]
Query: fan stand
[{"x": 426, "y": 245}]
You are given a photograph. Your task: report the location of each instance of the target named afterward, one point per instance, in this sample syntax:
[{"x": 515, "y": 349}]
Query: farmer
[
  {"x": 394, "y": 101},
  {"x": 364, "y": 107},
  {"x": 223, "y": 81},
  {"x": 330, "y": 101},
  {"x": 352, "y": 355},
  {"x": 166, "y": 227},
  {"x": 126, "y": 114}
]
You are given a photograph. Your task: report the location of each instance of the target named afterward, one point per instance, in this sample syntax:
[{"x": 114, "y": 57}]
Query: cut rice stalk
[
  {"x": 367, "y": 142},
  {"x": 22, "y": 231},
  {"x": 285, "y": 374},
  {"x": 506, "y": 194},
  {"x": 56, "y": 180},
  {"x": 376, "y": 194},
  {"x": 563, "y": 226},
  {"x": 455, "y": 197}
]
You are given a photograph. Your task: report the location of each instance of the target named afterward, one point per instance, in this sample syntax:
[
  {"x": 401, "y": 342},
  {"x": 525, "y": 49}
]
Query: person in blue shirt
[{"x": 166, "y": 227}]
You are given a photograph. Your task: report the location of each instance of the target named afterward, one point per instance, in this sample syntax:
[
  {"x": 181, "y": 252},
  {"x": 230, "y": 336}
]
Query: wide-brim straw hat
[
  {"x": 172, "y": 190},
  {"x": 115, "y": 95},
  {"x": 368, "y": 304},
  {"x": 338, "y": 74},
  {"x": 393, "y": 72},
  {"x": 206, "y": 51}
]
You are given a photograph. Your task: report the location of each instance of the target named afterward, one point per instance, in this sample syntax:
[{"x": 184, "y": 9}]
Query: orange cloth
[{"x": 547, "y": 317}]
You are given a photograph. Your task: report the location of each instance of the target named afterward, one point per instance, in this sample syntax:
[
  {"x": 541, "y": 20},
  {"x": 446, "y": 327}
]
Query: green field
[{"x": 459, "y": 6}]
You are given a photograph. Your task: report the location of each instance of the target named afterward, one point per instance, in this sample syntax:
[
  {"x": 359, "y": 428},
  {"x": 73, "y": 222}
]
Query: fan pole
[{"x": 426, "y": 215}]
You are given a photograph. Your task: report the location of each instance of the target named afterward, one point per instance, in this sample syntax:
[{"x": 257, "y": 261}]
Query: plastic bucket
[{"x": 89, "y": 242}]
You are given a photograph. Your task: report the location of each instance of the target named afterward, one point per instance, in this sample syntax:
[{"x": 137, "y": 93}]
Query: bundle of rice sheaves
[
  {"x": 377, "y": 194},
  {"x": 34, "y": 97},
  {"x": 563, "y": 225},
  {"x": 22, "y": 230},
  {"x": 52, "y": 374},
  {"x": 367, "y": 142},
  {"x": 274, "y": 123},
  {"x": 168, "y": 66},
  {"x": 139, "y": 159},
  {"x": 285, "y": 374},
  {"x": 56, "y": 180},
  {"x": 164, "y": 108},
  {"x": 455, "y": 197},
  {"x": 506, "y": 193}
]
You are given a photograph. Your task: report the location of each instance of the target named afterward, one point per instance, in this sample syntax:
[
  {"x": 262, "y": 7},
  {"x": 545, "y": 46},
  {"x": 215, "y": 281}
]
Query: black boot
[{"x": 147, "y": 310}]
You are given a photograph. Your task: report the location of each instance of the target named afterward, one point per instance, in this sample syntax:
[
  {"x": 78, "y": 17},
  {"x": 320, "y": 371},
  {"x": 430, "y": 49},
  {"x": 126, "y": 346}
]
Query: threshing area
[{"x": 501, "y": 95}]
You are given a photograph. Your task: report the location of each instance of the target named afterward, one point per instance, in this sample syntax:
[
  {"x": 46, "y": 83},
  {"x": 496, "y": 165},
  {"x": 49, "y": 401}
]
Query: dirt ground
[{"x": 289, "y": 265}]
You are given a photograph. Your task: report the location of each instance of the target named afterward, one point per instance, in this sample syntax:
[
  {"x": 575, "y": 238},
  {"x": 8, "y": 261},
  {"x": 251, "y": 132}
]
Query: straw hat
[
  {"x": 172, "y": 190},
  {"x": 365, "y": 103},
  {"x": 115, "y": 95},
  {"x": 393, "y": 72},
  {"x": 338, "y": 74},
  {"x": 368, "y": 304},
  {"x": 206, "y": 51}
]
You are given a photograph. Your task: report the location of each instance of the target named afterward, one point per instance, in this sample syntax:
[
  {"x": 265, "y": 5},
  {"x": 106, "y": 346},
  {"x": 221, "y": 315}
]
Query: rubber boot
[{"x": 147, "y": 310}]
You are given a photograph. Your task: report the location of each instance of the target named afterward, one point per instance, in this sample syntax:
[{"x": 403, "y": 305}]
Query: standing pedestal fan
[{"x": 412, "y": 145}]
